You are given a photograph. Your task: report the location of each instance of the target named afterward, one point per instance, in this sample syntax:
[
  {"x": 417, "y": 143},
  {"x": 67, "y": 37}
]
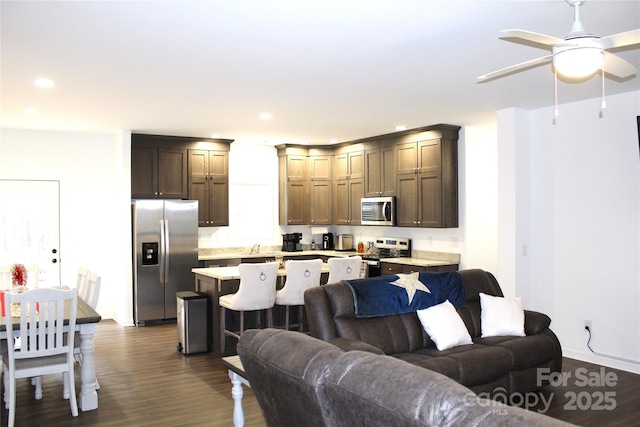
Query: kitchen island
[
  {"x": 219, "y": 275},
  {"x": 218, "y": 281}
]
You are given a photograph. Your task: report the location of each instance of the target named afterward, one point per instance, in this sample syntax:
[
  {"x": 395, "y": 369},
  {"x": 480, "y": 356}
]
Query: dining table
[
  {"x": 86, "y": 321},
  {"x": 218, "y": 281}
]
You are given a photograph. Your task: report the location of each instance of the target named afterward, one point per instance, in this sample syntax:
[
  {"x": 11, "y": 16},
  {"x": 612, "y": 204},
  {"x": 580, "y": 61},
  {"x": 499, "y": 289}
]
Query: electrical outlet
[{"x": 587, "y": 325}]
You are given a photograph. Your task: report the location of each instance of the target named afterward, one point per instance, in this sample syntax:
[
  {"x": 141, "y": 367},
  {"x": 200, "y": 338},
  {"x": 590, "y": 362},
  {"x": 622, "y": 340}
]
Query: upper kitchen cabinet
[
  {"x": 349, "y": 162},
  {"x": 176, "y": 167},
  {"x": 348, "y": 183},
  {"x": 320, "y": 185},
  {"x": 427, "y": 178},
  {"x": 209, "y": 184},
  {"x": 158, "y": 169},
  {"x": 380, "y": 171},
  {"x": 293, "y": 185}
]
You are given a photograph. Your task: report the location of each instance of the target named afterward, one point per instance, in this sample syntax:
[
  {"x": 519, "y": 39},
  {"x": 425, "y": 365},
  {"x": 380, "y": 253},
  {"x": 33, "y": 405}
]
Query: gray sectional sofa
[
  {"x": 494, "y": 364},
  {"x": 302, "y": 381}
]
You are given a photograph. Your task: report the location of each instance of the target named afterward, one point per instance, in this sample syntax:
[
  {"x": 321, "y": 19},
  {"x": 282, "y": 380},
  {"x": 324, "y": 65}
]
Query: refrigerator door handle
[
  {"x": 163, "y": 251},
  {"x": 167, "y": 251}
]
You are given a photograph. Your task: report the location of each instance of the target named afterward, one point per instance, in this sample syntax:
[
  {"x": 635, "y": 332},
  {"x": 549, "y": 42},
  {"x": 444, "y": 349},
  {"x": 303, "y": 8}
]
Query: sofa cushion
[
  {"x": 391, "y": 334},
  {"x": 468, "y": 364},
  {"x": 444, "y": 326},
  {"x": 528, "y": 351},
  {"x": 501, "y": 316}
]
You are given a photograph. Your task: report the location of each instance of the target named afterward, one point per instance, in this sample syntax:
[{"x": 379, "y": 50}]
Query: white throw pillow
[
  {"x": 501, "y": 316},
  {"x": 444, "y": 326}
]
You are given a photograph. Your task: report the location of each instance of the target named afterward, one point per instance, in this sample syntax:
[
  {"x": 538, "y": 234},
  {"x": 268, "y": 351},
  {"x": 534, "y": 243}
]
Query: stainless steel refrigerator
[{"x": 165, "y": 249}]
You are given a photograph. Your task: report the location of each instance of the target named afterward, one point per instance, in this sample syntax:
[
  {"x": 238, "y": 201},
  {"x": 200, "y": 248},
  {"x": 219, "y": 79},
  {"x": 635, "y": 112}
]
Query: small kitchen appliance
[
  {"x": 345, "y": 242},
  {"x": 327, "y": 241},
  {"x": 291, "y": 242},
  {"x": 377, "y": 211}
]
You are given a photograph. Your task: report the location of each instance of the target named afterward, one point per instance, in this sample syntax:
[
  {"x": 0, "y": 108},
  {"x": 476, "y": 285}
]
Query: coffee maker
[
  {"x": 327, "y": 241},
  {"x": 291, "y": 242}
]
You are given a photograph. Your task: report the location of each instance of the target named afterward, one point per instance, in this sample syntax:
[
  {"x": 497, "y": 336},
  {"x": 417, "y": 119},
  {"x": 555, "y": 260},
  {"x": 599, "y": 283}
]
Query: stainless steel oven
[{"x": 385, "y": 247}]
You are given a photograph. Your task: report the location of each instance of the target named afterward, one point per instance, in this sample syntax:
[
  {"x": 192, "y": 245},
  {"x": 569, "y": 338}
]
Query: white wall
[
  {"x": 578, "y": 206},
  {"x": 93, "y": 170}
]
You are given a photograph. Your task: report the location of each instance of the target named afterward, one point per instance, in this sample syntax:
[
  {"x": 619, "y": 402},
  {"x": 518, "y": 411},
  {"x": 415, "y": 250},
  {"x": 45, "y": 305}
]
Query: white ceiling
[{"x": 325, "y": 69}]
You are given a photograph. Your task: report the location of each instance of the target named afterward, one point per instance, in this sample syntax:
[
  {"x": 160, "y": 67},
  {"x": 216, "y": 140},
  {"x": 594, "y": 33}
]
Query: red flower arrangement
[{"x": 18, "y": 275}]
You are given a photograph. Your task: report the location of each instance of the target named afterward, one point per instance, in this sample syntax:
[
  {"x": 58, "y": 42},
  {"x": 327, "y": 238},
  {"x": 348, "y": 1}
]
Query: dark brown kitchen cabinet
[
  {"x": 158, "y": 172},
  {"x": 177, "y": 167},
  {"x": 320, "y": 186},
  {"x": 349, "y": 164},
  {"x": 394, "y": 268},
  {"x": 418, "y": 166},
  {"x": 208, "y": 183},
  {"x": 348, "y": 193},
  {"x": 320, "y": 206},
  {"x": 348, "y": 184},
  {"x": 427, "y": 183},
  {"x": 320, "y": 167},
  {"x": 293, "y": 186},
  {"x": 380, "y": 171}
]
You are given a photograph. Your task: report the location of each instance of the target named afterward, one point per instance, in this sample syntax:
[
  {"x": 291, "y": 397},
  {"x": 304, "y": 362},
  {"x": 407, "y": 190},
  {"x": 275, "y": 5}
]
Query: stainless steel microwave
[{"x": 378, "y": 211}]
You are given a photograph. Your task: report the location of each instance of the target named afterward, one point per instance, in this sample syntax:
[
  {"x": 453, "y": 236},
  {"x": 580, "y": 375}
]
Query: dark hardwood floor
[{"x": 145, "y": 381}]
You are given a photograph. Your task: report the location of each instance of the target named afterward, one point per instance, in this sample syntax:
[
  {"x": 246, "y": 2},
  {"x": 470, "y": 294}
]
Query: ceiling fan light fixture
[{"x": 577, "y": 61}]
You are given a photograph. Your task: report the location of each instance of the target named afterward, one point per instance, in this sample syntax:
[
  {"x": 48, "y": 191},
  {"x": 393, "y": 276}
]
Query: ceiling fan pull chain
[
  {"x": 555, "y": 90},
  {"x": 603, "y": 104}
]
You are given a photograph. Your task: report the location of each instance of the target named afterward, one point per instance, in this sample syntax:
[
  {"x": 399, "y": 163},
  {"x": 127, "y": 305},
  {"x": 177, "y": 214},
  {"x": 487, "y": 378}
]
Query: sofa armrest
[
  {"x": 348, "y": 344},
  {"x": 535, "y": 322}
]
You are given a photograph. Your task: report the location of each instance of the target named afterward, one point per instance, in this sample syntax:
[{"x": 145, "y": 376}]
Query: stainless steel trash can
[{"x": 192, "y": 322}]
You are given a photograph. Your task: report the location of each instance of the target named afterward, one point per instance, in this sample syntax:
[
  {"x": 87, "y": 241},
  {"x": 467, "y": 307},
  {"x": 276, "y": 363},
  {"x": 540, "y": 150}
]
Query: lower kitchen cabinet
[{"x": 394, "y": 268}]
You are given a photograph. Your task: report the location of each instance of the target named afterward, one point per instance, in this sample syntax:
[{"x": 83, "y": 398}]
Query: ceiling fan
[{"x": 579, "y": 55}]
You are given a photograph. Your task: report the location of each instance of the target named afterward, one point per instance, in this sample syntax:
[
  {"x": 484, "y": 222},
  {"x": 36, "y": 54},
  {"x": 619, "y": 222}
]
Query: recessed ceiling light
[
  {"x": 265, "y": 116},
  {"x": 215, "y": 135},
  {"x": 44, "y": 83},
  {"x": 32, "y": 111},
  {"x": 333, "y": 141},
  {"x": 400, "y": 127}
]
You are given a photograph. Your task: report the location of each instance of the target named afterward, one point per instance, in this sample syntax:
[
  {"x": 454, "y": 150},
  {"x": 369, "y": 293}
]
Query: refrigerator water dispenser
[{"x": 150, "y": 253}]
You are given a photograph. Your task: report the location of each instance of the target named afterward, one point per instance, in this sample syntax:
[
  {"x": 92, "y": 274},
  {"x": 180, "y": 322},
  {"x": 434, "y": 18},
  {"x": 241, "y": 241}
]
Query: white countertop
[
  {"x": 427, "y": 259},
  {"x": 232, "y": 272},
  {"x": 271, "y": 254}
]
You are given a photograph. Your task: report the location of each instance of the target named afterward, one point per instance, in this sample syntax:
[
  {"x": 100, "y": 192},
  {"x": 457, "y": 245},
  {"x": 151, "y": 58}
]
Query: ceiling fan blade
[
  {"x": 514, "y": 68},
  {"x": 627, "y": 38},
  {"x": 617, "y": 66},
  {"x": 538, "y": 38}
]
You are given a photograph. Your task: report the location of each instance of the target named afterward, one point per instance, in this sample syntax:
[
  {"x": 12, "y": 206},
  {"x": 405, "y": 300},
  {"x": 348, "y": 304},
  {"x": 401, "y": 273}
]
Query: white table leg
[
  {"x": 236, "y": 392},
  {"x": 88, "y": 399}
]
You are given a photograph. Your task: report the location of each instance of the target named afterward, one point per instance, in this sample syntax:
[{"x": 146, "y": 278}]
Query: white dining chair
[
  {"x": 90, "y": 291},
  {"x": 81, "y": 281},
  {"x": 44, "y": 348},
  {"x": 301, "y": 275},
  {"x": 344, "y": 268},
  {"x": 257, "y": 291}
]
